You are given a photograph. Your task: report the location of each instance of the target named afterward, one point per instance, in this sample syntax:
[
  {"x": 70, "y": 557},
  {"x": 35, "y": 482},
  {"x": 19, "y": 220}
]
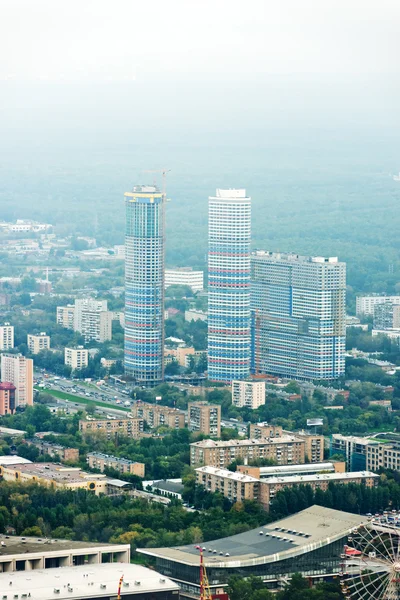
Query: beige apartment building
[
  {"x": 18, "y": 370},
  {"x": 37, "y": 343},
  {"x": 65, "y": 316},
  {"x": 76, "y": 358},
  {"x": 156, "y": 415},
  {"x": 314, "y": 445},
  {"x": 264, "y": 430},
  {"x": 132, "y": 428},
  {"x": 249, "y": 394},
  {"x": 283, "y": 450},
  {"x": 98, "y": 460},
  {"x": 385, "y": 456},
  {"x": 6, "y": 336},
  {"x": 204, "y": 418},
  {"x": 240, "y": 486}
]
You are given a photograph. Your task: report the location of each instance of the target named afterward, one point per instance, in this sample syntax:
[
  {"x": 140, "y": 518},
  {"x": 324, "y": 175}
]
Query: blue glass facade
[
  {"x": 144, "y": 285},
  {"x": 229, "y": 286}
]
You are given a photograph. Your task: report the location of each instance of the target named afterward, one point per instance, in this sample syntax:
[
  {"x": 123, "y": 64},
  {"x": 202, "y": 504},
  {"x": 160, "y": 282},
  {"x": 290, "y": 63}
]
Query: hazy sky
[{"x": 119, "y": 40}]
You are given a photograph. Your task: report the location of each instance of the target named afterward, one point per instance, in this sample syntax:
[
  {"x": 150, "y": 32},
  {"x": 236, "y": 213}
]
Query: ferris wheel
[{"x": 371, "y": 563}]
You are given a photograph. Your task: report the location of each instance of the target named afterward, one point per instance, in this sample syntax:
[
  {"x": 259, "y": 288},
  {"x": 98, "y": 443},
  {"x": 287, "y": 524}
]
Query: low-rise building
[
  {"x": 185, "y": 276},
  {"x": 180, "y": 354},
  {"x": 156, "y": 415},
  {"x": 38, "y": 342},
  {"x": 249, "y": 394},
  {"x": 132, "y": 428},
  {"x": 63, "y": 477},
  {"x": 204, "y": 418},
  {"x": 76, "y": 358},
  {"x": 282, "y": 450},
  {"x": 98, "y": 460},
  {"x": 195, "y": 315},
  {"x": 55, "y": 450},
  {"x": 6, "y": 336},
  {"x": 170, "y": 489},
  {"x": 239, "y": 486},
  {"x": 7, "y": 398}
]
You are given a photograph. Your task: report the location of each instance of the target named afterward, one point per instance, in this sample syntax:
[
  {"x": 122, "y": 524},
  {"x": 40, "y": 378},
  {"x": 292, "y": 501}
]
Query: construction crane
[
  {"x": 205, "y": 593},
  {"x": 164, "y": 173},
  {"x": 119, "y": 587}
]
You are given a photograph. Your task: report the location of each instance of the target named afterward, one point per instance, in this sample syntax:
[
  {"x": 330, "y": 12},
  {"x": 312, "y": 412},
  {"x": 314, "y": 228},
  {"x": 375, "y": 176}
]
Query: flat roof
[
  {"x": 236, "y": 475},
  {"x": 284, "y": 439},
  {"x": 83, "y": 582},
  {"x": 353, "y": 438},
  {"x": 112, "y": 458},
  {"x": 57, "y": 472},
  {"x": 307, "y": 530},
  {"x": 9, "y": 431},
  {"x": 23, "y": 545},
  {"x": 298, "y": 479},
  {"x": 269, "y": 471}
]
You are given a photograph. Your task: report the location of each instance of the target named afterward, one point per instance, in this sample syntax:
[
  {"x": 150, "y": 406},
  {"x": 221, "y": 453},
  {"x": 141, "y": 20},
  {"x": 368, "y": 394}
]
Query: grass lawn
[{"x": 80, "y": 399}]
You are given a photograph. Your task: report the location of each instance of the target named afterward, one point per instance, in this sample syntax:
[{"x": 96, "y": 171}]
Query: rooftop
[
  {"x": 363, "y": 441},
  {"x": 298, "y": 479},
  {"x": 83, "y": 582},
  {"x": 14, "y": 460},
  {"x": 22, "y": 545},
  {"x": 284, "y": 439},
  {"x": 292, "y": 257},
  {"x": 168, "y": 486},
  {"x": 111, "y": 458},
  {"x": 311, "y": 467},
  {"x": 8, "y": 431},
  {"x": 236, "y": 476},
  {"x": 56, "y": 472},
  {"x": 307, "y": 530}
]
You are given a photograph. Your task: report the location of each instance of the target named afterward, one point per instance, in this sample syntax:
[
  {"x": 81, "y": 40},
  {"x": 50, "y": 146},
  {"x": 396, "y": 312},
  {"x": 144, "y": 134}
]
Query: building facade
[
  {"x": 156, "y": 415},
  {"x": 7, "y": 398},
  {"x": 37, "y": 343},
  {"x": 132, "y": 428},
  {"x": 6, "y": 337},
  {"x": 298, "y": 316},
  {"x": 76, "y": 358},
  {"x": 98, "y": 460},
  {"x": 65, "y": 316},
  {"x": 144, "y": 284},
  {"x": 264, "y": 430},
  {"x": 365, "y": 305},
  {"x": 229, "y": 237},
  {"x": 185, "y": 276},
  {"x": 353, "y": 449},
  {"x": 93, "y": 320},
  {"x": 58, "y": 451},
  {"x": 204, "y": 418},
  {"x": 18, "y": 370},
  {"x": 250, "y": 394}
]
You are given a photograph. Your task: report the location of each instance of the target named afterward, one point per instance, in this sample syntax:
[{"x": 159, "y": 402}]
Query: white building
[
  {"x": 92, "y": 319},
  {"x": 6, "y": 336},
  {"x": 18, "y": 370},
  {"x": 23, "y": 226},
  {"x": 250, "y": 394},
  {"x": 393, "y": 334},
  {"x": 195, "y": 315},
  {"x": 37, "y": 343},
  {"x": 365, "y": 304},
  {"x": 65, "y": 316},
  {"x": 76, "y": 358},
  {"x": 185, "y": 276}
]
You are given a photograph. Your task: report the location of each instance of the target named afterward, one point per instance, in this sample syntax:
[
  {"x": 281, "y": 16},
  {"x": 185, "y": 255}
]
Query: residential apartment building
[
  {"x": 6, "y": 337},
  {"x": 18, "y": 370},
  {"x": 353, "y": 449},
  {"x": 365, "y": 305},
  {"x": 76, "y": 358},
  {"x": 7, "y": 398},
  {"x": 156, "y": 415},
  {"x": 250, "y": 394},
  {"x": 100, "y": 461},
  {"x": 229, "y": 237},
  {"x": 37, "y": 343},
  {"x": 93, "y": 320},
  {"x": 289, "y": 470},
  {"x": 264, "y": 430},
  {"x": 58, "y": 451},
  {"x": 65, "y": 316},
  {"x": 144, "y": 284},
  {"x": 387, "y": 316},
  {"x": 204, "y": 418},
  {"x": 185, "y": 276},
  {"x": 180, "y": 354},
  {"x": 298, "y": 315},
  {"x": 239, "y": 486},
  {"x": 383, "y": 456},
  {"x": 314, "y": 445},
  {"x": 282, "y": 450},
  {"x": 132, "y": 428}
]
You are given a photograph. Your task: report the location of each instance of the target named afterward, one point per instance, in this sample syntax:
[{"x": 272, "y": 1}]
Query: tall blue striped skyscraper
[
  {"x": 229, "y": 222},
  {"x": 144, "y": 284}
]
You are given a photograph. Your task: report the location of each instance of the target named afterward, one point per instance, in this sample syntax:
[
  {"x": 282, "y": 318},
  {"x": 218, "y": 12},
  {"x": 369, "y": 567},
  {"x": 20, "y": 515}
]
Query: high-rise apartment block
[
  {"x": 249, "y": 394},
  {"x": 65, "y": 316},
  {"x": 6, "y": 336},
  {"x": 18, "y": 370},
  {"x": 204, "y": 418},
  {"x": 298, "y": 315},
  {"x": 365, "y": 305},
  {"x": 37, "y": 343},
  {"x": 229, "y": 285},
  {"x": 93, "y": 320},
  {"x": 185, "y": 276},
  {"x": 156, "y": 415},
  {"x": 7, "y": 398},
  {"x": 144, "y": 284},
  {"x": 386, "y": 316},
  {"x": 76, "y": 358}
]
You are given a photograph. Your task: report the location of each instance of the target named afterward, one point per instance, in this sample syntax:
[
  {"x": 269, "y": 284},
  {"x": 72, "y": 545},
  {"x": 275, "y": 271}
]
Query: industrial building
[
  {"x": 91, "y": 582},
  {"x": 309, "y": 542},
  {"x": 298, "y": 308},
  {"x": 229, "y": 237},
  {"x": 144, "y": 284}
]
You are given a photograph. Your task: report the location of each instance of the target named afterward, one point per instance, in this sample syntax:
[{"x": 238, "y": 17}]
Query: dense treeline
[{"x": 298, "y": 588}]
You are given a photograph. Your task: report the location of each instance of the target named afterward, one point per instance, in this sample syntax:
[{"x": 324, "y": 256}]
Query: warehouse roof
[
  {"x": 88, "y": 581},
  {"x": 307, "y": 530}
]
